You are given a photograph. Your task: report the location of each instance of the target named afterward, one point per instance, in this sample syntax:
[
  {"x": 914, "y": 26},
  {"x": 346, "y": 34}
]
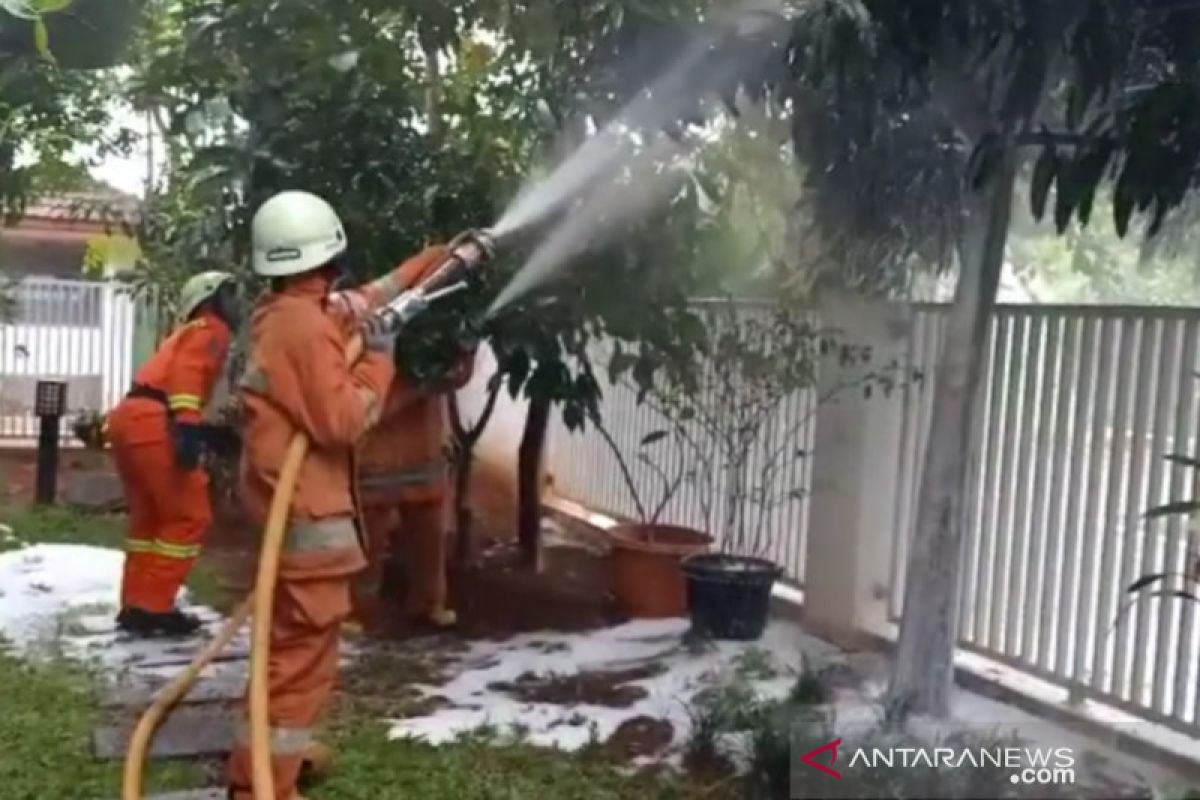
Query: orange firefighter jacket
[
  {"x": 402, "y": 459},
  {"x": 184, "y": 370},
  {"x": 298, "y": 379}
]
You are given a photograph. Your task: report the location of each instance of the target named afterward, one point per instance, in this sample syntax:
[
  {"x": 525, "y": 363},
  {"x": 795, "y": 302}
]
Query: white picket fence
[
  {"x": 1080, "y": 406},
  {"x": 80, "y": 332}
]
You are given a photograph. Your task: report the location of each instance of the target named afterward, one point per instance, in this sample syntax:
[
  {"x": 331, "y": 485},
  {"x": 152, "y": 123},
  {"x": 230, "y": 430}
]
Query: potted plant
[
  {"x": 645, "y": 573},
  {"x": 88, "y": 427},
  {"x": 730, "y": 418}
]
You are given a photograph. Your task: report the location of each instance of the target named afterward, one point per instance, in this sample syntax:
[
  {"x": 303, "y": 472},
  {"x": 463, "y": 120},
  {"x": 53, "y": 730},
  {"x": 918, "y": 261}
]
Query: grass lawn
[
  {"x": 48, "y": 710},
  {"x": 370, "y": 767},
  {"x": 47, "y": 713}
]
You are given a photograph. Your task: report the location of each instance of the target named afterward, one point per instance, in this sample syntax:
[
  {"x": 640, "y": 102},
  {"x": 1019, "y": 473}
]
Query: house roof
[{"x": 101, "y": 206}]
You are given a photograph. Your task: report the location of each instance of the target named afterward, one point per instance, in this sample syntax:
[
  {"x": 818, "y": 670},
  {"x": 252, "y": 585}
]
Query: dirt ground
[{"x": 609, "y": 689}]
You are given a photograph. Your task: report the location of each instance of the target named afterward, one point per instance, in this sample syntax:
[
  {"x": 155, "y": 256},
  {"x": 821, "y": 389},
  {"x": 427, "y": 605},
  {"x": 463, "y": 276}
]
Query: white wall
[{"x": 494, "y": 485}]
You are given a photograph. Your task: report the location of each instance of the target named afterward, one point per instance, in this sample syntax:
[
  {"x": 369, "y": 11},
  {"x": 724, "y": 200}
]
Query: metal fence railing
[
  {"x": 79, "y": 332},
  {"x": 1080, "y": 406}
]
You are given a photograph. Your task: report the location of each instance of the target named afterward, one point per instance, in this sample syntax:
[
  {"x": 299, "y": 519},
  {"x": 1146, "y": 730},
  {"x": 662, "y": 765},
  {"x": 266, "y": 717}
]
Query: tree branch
[{"x": 624, "y": 467}]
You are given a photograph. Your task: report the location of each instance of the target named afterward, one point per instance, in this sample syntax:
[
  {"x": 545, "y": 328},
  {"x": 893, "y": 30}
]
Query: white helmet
[
  {"x": 199, "y": 288},
  {"x": 295, "y": 232}
]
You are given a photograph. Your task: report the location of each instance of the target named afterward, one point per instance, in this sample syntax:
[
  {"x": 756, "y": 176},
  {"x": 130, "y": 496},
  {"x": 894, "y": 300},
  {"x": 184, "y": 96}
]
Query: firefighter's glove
[
  {"x": 189, "y": 443},
  {"x": 379, "y": 337},
  {"x": 222, "y": 440}
]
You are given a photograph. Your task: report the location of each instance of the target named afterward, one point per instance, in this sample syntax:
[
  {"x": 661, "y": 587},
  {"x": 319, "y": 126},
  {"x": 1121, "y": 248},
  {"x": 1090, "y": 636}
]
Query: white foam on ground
[
  {"x": 62, "y": 599},
  {"x": 669, "y": 695}
]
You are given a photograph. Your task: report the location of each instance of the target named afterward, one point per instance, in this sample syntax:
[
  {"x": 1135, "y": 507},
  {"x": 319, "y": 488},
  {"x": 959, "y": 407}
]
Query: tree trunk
[
  {"x": 924, "y": 674},
  {"x": 464, "y": 536},
  {"x": 465, "y": 439},
  {"x": 529, "y": 467}
]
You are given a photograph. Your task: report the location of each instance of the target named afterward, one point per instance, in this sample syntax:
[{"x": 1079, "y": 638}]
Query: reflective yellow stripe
[
  {"x": 162, "y": 548},
  {"x": 332, "y": 534},
  {"x": 284, "y": 741},
  {"x": 184, "y": 402}
]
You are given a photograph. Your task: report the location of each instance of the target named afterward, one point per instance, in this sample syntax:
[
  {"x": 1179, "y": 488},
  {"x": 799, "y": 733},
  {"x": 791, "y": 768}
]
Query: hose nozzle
[{"x": 467, "y": 252}]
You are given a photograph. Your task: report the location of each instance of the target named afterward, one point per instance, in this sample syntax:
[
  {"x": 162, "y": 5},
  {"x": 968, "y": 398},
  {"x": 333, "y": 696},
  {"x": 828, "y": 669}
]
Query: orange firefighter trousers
[
  {"x": 169, "y": 512},
  {"x": 415, "y": 532},
  {"x": 301, "y": 673}
]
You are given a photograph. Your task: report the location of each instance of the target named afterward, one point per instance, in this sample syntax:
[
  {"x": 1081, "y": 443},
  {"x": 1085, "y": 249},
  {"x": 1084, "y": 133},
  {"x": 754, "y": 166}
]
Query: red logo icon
[{"x": 809, "y": 758}]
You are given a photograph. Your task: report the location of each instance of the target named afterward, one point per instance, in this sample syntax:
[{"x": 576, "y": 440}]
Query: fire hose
[{"x": 467, "y": 251}]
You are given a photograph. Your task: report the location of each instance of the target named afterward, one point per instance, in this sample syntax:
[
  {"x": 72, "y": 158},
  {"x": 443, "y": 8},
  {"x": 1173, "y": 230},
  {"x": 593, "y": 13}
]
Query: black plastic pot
[{"x": 729, "y": 597}]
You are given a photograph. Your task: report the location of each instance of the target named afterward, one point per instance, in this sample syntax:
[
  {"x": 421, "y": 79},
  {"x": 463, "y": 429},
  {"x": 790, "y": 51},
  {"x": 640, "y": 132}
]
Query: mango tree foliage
[{"x": 75, "y": 34}]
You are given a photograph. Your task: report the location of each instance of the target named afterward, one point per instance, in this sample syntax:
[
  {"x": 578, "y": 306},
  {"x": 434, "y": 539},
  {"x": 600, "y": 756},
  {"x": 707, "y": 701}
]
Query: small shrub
[
  {"x": 88, "y": 427},
  {"x": 755, "y": 664},
  {"x": 809, "y": 689},
  {"x": 782, "y": 729}
]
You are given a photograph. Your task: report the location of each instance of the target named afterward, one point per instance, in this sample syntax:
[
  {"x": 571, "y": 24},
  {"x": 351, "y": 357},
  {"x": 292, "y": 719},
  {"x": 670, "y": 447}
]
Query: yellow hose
[
  {"x": 172, "y": 693},
  {"x": 262, "y": 601}
]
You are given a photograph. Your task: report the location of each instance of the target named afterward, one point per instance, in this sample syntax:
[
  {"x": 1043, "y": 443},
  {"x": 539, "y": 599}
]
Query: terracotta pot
[{"x": 647, "y": 579}]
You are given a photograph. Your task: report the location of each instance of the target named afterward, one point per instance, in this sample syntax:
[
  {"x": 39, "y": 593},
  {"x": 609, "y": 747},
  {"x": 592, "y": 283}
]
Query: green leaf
[
  {"x": 49, "y": 6},
  {"x": 620, "y": 363},
  {"x": 572, "y": 417},
  {"x": 654, "y": 436},
  {"x": 1043, "y": 178},
  {"x": 41, "y": 39},
  {"x": 1146, "y": 580},
  {"x": 1173, "y": 509},
  {"x": 1178, "y": 594},
  {"x": 1182, "y": 460}
]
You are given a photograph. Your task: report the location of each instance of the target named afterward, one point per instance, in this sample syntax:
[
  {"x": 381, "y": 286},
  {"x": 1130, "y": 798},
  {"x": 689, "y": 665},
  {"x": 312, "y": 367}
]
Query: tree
[
  {"x": 51, "y": 97},
  {"x": 999, "y": 76}
]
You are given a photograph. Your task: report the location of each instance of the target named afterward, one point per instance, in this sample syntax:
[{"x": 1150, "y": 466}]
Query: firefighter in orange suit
[
  {"x": 157, "y": 440},
  {"x": 297, "y": 378},
  {"x": 403, "y": 482}
]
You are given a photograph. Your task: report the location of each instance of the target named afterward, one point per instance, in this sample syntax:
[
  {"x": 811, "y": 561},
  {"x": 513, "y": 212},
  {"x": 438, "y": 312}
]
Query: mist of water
[
  {"x": 615, "y": 176},
  {"x": 659, "y": 103},
  {"x": 647, "y": 179}
]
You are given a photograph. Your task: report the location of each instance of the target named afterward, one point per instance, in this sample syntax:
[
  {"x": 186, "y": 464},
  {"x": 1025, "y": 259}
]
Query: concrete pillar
[{"x": 856, "y": 457}]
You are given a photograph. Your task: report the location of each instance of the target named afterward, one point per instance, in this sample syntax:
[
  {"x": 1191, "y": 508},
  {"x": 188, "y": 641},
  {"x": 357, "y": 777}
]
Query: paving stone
[
  {"x": 217, "y": 689},
  {"x": 189, "y": 731},
  {"x": 182, "y": 660},
  {"x": 191, "y": 794}
]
